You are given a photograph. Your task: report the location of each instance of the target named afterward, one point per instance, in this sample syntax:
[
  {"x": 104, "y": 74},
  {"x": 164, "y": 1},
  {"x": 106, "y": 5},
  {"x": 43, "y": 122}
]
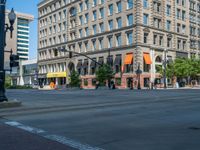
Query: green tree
[
  {"x": 104, "y": 73},
  {"x": 75, "y": 80},
  {"x": 7, "y": 81}
]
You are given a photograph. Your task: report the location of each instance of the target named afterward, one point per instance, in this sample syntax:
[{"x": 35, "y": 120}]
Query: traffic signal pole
[{"x": 2, "y": 46}]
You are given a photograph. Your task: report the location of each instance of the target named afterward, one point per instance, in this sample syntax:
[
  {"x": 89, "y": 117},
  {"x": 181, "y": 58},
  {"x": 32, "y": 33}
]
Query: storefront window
[{"x": 146, "y": 67}]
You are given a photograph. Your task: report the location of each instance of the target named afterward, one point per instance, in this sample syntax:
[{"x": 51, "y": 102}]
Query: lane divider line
[
  {"x": 23, "y": 127},
  {"x": 60, "y": 139},
  {"x": 71, "y": 143}
]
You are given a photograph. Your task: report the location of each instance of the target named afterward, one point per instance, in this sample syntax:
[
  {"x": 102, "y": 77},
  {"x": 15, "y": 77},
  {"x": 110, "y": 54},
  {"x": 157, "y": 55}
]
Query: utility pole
[
  {"x": 2, "y": 45},
  {"x": 3, "y": 29},
  {"x": 165, "y": 67}
]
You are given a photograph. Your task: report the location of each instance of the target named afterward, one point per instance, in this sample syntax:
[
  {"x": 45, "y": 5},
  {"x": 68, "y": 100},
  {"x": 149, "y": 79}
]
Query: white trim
[
  {"x": 23, "y": 39},
  {"x": 23, "y": 26},
  {"x": 23, "y": 35},
  {"x": 22, "y": 48},
  {"x": 20, "y": 30},
  {"x": 23, "y": 43}
]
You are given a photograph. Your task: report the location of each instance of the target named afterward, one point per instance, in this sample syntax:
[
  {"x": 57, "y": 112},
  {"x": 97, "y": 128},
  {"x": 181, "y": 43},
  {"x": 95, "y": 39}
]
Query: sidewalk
[{"x": 16, "y": 139}]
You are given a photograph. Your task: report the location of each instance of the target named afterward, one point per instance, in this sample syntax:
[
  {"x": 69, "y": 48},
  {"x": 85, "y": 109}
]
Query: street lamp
[
  {"x": 11, "y": 17},
  {"x": 165, "y": 67},
  {"x": 3, "y": 31},
  {"x": 139, "y": 72}
]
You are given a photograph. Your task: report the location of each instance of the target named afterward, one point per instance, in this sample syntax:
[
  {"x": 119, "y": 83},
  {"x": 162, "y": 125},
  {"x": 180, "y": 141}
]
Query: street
[{"x": 110, "y": 119}]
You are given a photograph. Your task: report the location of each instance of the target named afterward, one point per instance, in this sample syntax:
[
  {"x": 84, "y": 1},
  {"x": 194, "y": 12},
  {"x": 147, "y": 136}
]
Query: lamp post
[
  {"x": 3, "y": 31},
  {"x": 139, "y": 72},
  {"x": 165, "y": 67}
]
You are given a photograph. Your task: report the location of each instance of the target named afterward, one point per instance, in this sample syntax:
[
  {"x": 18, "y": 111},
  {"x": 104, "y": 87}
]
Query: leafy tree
[
  {"x": 182, "y": 68},
  {"x": 7, "y": 81},
  {"x": 104, "y": 73},
  {"x": 75, "y": 80}
]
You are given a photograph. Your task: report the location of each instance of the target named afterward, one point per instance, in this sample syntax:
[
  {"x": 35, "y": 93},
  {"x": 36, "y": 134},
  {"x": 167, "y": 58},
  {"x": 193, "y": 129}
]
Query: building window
[
  {"x": 80, "y": 33},
  {"x": 100, "y": 43},
  {"x": 81, "y": 20},
  {"x": 80, "y": 7},
  {"x": 168, "y": 25},
  {"x": 119, "y": 22},
  {"x": 179, "y": 44},
  {"x": 145, "y": 37},
  {"x": 130, "y": 19},
  {"x": 86, "y": 31},
  {"x": 169, "y": 42},
  {"x": 86, "y": 18},
  {"x": 119, "y": 40},
  {"x": 101, "y": 12},
  {"x": 129, "y": 38},
  {"x": 94, "y": 44},
  {"x": 145, "y": 3},
  {"x": 110, "y": 7},
  {"x": 161, "y": 41},
  {"x": 94, "y": 2},
  {"x": 155, "y": 39},
  {"x": 101, "y": 25},
  {"x": 119, "y": 6},
  {"x": 110, "y": 22},
  {"x": 86, "y": 4},
  {"x": 168, "y": 10},
  {"x": 94, "y": 15},
  {"x": 94, "y": 29},
  {"x": 178, "y": 27},
  {"x": 129, "y": 4},
  {"x": 110, "y": 40},
  {"x": 145, "y": 19}
]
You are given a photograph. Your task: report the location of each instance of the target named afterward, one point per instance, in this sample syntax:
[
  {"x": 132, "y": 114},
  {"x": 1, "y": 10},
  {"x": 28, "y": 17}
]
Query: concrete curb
[{"x": 10, "y": 104}]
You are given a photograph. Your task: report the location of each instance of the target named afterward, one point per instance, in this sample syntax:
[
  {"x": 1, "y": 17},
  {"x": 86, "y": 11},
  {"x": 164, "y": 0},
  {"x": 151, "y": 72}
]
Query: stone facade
[{"x": 115, "y": 28}]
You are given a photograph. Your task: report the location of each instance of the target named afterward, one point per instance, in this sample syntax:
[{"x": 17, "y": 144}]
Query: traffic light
[
  {"x": 14, "y": 60},
  {"x": 70, "y": 54}
]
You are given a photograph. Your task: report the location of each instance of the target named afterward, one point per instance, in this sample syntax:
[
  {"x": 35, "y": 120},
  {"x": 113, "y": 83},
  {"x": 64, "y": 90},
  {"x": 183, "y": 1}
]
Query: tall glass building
[{"x": 23, "y": 38}]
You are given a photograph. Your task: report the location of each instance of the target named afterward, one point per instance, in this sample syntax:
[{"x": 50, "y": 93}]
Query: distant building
[
  {"x": 26, "y": 74},
  {"x": 20, "y": 40}
]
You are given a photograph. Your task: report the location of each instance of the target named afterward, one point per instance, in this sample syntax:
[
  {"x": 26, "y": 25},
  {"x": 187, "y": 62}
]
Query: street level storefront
[
  {"x": 123, "y": 67},
  {"x": 58, "y": 78}
]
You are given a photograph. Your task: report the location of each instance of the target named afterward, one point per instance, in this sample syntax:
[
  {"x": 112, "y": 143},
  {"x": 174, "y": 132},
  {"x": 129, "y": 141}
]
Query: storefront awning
[
  {"x": 85, "y": 63},
  {"x": 118, "y": 60},
  {"x": 128, "y": 59},
  {"x": 57, "y": 74},
  {"x": 147, "y": 58},
  {"x": 93, "y": 63}
]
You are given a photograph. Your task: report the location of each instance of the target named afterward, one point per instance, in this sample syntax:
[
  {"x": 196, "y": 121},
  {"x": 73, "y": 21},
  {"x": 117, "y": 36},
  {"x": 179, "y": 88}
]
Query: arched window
[{"x": 158, "y": 59}]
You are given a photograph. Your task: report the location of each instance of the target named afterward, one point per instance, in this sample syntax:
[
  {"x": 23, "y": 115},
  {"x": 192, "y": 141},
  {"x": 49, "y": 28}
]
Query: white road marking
[
  {"x": 23, "y": 127},
  {"x": 57, "y": 138},
  {"x": 71, "y": 142}
]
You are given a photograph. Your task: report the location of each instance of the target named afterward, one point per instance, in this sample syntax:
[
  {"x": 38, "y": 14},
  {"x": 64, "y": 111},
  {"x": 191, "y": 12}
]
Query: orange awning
[
  {"x": 147, "y": 58},
  {"x": 128, "y": 59}
]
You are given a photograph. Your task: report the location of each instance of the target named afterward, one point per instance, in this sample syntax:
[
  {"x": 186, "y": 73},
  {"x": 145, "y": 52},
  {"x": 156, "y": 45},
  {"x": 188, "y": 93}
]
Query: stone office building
[{"x": 128, "y": 33}]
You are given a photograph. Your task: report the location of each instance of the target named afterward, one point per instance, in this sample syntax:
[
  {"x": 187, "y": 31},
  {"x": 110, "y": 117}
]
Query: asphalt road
[{"x": 113, "y": 119}]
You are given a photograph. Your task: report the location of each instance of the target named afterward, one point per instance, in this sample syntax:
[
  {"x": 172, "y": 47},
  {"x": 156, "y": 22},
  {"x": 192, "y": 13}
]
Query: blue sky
[{"x": 30, "y": 7}]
